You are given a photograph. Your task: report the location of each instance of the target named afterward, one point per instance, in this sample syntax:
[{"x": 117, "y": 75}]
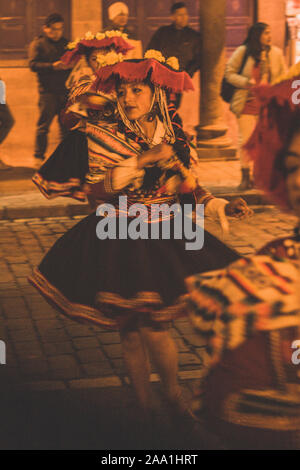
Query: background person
[
  {"x": 6, "y": 120},
  {"x": 251, "y": 310},
  {"x": 45, "y": 52},
  {"x": 118, "y": 14},
  {"x": 179, "y": 40},
  {"x": 263, "y": 64}
]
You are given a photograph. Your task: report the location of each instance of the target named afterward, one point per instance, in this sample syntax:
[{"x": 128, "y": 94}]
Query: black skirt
[
  {"x": 106, "y": 281},
  {"x": 63, "y": 174}
]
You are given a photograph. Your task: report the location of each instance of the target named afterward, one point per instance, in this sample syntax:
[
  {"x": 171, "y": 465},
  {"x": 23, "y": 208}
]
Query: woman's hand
[
  {"x": 59, "y": 65},
  {"x": 238, "y": 208},
  {"x": 219, "y": 209},
  {"x": 158, "y": 153},
  {"x": 251, "y": 82}
]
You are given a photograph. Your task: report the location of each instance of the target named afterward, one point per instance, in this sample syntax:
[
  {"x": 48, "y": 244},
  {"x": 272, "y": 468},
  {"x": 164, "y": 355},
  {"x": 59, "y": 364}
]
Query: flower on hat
[
  {"x": 89, "y": 35},
  {"x": 100, "y": 36},
  {"x": 153, "y": 54},
  {"x": 173, "y": 62},
  {"x": 73, "y": 44},
  {"x": 110, "y": 58},
  {"x": 115, "y": 33}
]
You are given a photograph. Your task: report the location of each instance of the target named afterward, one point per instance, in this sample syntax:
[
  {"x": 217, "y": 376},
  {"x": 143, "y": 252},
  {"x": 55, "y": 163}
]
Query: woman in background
[{"x": 255, "y": 62}]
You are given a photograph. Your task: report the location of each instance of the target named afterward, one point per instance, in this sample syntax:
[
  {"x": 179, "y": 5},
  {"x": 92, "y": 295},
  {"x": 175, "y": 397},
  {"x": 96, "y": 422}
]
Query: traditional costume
[
  {"x": 63, "y": 174},
  {"x": 112, "y": 43},
  {"x": 250, "y": 312},
  {"x": 104, "y": 281}
]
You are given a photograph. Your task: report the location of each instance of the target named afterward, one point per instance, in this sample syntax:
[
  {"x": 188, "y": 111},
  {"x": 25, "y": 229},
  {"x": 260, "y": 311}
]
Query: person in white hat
[
  {"x": 118, "y": 13},
  {"x": 118, "y": 16}
]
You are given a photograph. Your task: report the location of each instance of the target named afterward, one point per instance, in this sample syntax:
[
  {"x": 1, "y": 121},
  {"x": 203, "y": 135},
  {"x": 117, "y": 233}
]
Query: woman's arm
[
  {"x": 127, "y": 172},
  {"x": 233, "y": 66}
]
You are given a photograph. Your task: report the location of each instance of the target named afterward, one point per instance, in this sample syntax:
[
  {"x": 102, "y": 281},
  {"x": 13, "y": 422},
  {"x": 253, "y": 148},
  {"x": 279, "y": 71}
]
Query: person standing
[
  {"x": 118, "y": 13},
  {"x": 135, "y": 284},
  {"x": 179, "y": 40},
  {"x": 118, "y": 16},
  {"x": 6, "y": 120},
  {"x": 255, "y": 62},
  {"x": 44, "y": 54}
]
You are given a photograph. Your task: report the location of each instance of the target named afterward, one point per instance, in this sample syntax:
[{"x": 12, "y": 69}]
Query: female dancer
[
  {"x": 63, "y": 174},
  {"x": 135, "y": 284}
]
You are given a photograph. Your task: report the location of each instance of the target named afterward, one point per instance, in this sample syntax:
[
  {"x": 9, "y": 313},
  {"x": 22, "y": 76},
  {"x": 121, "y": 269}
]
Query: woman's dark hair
[
  {"x": 89, "y": 50},
  {"x": 177, "y": 6},
  {"x": 252, "y": 40},
  {"x": 53, "y": 18}
]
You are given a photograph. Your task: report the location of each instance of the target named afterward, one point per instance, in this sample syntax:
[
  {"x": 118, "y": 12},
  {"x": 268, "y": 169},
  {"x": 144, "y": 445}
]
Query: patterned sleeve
[
  {"x": 80, "y": 87},
  {"x": 112, "y": 162}
]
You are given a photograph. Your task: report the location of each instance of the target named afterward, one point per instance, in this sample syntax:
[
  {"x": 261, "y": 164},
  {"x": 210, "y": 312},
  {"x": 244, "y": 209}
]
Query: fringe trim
[
  {"x": 52, "y": 189},
  {"x": 143, "y": 302}
]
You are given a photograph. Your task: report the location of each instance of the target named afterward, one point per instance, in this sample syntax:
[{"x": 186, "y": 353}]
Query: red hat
[
  {"x": 80, "y": 47},
  {"x": 279, "y": 112},
  {"x": 138, "y": 70}
]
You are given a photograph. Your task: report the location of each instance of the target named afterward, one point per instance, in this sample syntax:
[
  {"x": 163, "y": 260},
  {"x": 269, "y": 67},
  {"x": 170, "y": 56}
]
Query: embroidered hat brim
[
  {"x": 120, "y": 44},
  {"x": 138, "y": 70}
]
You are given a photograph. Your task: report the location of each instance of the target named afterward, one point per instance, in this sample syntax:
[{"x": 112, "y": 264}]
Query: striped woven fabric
[
  {"x": 107, "y": 148},
  {"x": 252, "y": 294}
]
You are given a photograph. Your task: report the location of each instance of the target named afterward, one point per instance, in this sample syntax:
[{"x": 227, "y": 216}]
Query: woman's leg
[
  {"x": 246, "y": 124},
  {"x": 137, "y": 364},
  {"x": 163, "y": 352}
]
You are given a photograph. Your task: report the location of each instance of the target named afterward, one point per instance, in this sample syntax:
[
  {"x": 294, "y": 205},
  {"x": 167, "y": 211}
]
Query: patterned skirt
[{"x": 106, "y": 281}]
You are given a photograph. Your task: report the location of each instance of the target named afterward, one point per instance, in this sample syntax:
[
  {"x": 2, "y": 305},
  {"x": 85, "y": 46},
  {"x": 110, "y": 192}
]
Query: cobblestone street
[
  {"x": 52, "y": 351},
  {"x": 70, "y": 372}
]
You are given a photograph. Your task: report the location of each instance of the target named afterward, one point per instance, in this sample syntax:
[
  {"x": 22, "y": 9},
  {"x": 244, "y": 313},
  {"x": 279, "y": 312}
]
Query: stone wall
[
  {"x": 273, "y": 13},
  {"x": 86, "y": 16},
  {"x": 22, "y": 98}
]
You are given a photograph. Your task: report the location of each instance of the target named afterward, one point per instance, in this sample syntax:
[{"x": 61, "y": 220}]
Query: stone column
[
  {"x": 86, "y": 16},
  {"x": 274, "y": 13},
  {"x": 211, "y": 132}
]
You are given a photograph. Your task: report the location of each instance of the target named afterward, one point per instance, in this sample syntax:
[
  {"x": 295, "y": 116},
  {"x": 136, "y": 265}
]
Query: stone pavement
[
  {"x": 66, "y": 383},
  {"x": 54, "y": 352}
]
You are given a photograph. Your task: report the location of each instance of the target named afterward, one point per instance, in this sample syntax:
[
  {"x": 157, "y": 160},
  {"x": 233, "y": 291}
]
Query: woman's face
[
  {"x": 265, "y": 38},
  {"x": 292, "y": 164},
  {"x": 135, "y": 99}
]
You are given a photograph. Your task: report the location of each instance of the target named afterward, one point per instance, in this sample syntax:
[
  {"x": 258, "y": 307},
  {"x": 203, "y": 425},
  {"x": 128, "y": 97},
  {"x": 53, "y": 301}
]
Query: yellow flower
[
  {"x": 100, "y": 36},
  {"x": 153, "y": 54},
  {"x": 89, "y": 35},
  {"x": 110, "y": 58},
  {"x": 72, "y": 45},
  {"x": 112, "y": 33},
  {"x": 173, "y": 62}
]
